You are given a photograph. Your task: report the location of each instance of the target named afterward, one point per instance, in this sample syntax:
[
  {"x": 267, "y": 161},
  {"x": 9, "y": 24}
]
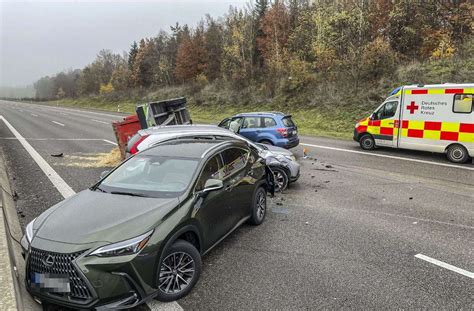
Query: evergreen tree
[{"x": 132, "y": 55}]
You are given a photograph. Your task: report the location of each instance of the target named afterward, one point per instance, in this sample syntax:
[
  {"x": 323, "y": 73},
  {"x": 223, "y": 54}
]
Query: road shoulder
[{"x": 12, "y": 265}]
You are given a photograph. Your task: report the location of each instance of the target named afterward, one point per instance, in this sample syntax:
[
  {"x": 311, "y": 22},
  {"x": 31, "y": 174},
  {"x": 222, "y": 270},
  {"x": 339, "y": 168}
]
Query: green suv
[{"x": 140, "y": 232}]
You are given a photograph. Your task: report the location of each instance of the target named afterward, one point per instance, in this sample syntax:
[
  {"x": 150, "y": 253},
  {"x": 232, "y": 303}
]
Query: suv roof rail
[{"x": 262, "y": 113}]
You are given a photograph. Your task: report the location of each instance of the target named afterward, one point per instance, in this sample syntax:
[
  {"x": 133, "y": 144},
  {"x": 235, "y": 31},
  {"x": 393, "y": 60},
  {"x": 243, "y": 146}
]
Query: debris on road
[
  {"x": 110, "y": 159},
  {"x": 57, "y": 155}
]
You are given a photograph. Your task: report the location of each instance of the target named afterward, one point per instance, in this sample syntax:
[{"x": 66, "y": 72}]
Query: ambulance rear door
[{"x": 430, "y": 120}]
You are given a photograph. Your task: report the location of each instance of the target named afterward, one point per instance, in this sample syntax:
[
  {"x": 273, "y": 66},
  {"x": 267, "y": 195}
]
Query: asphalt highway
[{"x": 386, "y": 229}]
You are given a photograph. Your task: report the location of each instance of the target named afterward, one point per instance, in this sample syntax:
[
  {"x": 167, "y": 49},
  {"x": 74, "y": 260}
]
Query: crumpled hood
[
  {"x": 91, "y": 216},
  {"x": 279, "y": 150}
]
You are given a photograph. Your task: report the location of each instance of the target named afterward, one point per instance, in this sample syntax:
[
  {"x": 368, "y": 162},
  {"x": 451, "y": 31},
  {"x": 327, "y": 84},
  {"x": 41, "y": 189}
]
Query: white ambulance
[{"x": 436, "y": 118}]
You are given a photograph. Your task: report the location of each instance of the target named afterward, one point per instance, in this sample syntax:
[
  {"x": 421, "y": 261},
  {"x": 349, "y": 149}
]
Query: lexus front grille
[{"x": 50, "y": 263}]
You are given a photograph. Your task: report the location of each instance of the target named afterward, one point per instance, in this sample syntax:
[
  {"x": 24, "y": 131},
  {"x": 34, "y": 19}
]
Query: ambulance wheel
[
  {"x": 367, "y": 142},
  {"x": 457, "y": 154}
]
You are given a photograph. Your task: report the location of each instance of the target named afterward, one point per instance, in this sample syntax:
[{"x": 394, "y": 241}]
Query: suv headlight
[
  {"x": 291, "y": 157},
  {"x": 357, "y": 125},
  {"x": 127, "y": 247},
  {"x": 29, "y": 231}
]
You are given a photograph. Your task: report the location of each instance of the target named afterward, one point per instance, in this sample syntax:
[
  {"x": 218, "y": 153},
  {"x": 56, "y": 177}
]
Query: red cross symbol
[{"x": 412, "y": 107}]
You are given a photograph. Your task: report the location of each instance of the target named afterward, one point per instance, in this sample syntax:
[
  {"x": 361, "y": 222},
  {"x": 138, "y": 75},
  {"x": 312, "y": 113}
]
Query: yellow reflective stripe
[
  {"x": 470, "y": 90},
  {"x": 405, "y": 132},
  {"x": 407, "y": 92},
  {"x": 466, "y": 137},
  {"x": 365, "y": 122},
  {"x": 431, "y": 134},
  {"x": 436, "y": 91},
  {"x": 373, "y": 129},
  {"x": 416, "y": 125},
  {"x": 387, "y": 122},
  {"x": 449, "y": 127}
]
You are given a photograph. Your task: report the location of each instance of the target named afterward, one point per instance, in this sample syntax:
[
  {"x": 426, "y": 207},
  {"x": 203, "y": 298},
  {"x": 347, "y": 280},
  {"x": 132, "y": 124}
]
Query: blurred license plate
[{"x": 56, "y": 283}]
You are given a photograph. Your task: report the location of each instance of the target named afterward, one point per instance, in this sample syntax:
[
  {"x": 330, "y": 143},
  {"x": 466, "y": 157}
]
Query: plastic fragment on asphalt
[{"x": 57, "y": 155}]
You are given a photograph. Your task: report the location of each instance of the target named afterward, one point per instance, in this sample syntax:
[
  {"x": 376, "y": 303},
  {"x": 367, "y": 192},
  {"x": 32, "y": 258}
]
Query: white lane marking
[
  {"x": 110, "y": 142},
  {"x": 445, "y": 265},
  {"x": 73, "y": 139},
  {"x": 389, "y": 156},
  {"x": 54, "y": 177},
  {"x": 161, "y": 306},
  {"x": 57, "y": 123},
  {"x": 34, "y": 115},
  {"x": 64, "y": 114},
  {"x": 98, "y": 121}
]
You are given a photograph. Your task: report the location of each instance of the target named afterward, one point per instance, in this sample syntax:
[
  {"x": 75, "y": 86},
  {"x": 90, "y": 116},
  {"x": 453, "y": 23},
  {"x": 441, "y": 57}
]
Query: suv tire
[
  {"x": 266, "y": 142},
  {"x": 367, "y": 142},
  {"x": 281, "y": 178},
  {"x": 179, "y": 257},
  {"x": 457, "y": 153},
  {"x": 259, "y": 207}
]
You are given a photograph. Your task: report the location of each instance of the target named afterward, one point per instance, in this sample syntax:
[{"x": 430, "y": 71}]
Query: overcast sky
[{"x": 41, "y": 38}]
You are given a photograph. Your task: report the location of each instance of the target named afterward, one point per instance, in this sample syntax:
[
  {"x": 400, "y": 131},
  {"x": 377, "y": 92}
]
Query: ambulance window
[
  {"x": 462, "y": 103},
  {"x": 386, "y": 111}
]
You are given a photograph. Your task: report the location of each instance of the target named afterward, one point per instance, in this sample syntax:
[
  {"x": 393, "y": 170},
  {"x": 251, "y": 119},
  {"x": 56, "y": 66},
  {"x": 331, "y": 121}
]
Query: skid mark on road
[
  {"x": 445, "y": 265},
  {"x": 389, "y": 156}
]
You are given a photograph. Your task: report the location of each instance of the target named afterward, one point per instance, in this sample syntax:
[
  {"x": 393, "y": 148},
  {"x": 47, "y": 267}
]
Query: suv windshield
[
  {"x": 288, "y": 122},
  {"x": 153, "y": 176}
]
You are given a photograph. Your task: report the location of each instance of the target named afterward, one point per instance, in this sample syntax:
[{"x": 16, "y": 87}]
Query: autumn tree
[{"x": 191, "y": 57}]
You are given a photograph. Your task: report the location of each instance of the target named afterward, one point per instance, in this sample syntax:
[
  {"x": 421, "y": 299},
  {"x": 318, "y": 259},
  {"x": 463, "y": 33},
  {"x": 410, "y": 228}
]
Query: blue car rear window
[{"x": 287, "y": 122}]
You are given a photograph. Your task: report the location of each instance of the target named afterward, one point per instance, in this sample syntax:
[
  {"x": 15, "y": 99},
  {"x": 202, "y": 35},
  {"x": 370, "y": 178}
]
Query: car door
[
  {"x": 251, "y": 128},
  {"x": 384, "y": 124},
  {"x": 212, "y": 209},
  {"x": 237, "y": 183}
]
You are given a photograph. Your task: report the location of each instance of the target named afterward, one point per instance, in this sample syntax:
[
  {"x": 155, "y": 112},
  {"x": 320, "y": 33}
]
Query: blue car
[{"x": 273, "y": 128}]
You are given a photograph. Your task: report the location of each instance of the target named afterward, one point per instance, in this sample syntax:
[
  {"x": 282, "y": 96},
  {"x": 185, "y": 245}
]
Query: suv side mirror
[
  {"x": 103, "y": 174},
  {"x": 212, "y": 185},
  {"x": 372, "y": 116}
]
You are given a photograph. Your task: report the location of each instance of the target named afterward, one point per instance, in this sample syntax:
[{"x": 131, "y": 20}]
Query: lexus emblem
[{"x": 48, "y": 260}]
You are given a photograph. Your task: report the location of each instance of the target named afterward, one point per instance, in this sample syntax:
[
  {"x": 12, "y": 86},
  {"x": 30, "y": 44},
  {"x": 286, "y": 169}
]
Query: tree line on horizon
[{"x": 289, "y": 46}]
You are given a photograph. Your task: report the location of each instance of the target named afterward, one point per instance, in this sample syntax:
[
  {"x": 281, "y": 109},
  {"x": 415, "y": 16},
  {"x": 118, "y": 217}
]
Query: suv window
[
  {"x": 462, "y": 103},
  {"x": 386, "y": 111},
  {"x": 269, "y": 122},
  {"x": 251, "y": 122},
  {"x": 210, "y": 171},
  {"x": 225, "y": 123},
  {"x": 288, "y": 122},
  {"x": 235, "y": 159}
]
